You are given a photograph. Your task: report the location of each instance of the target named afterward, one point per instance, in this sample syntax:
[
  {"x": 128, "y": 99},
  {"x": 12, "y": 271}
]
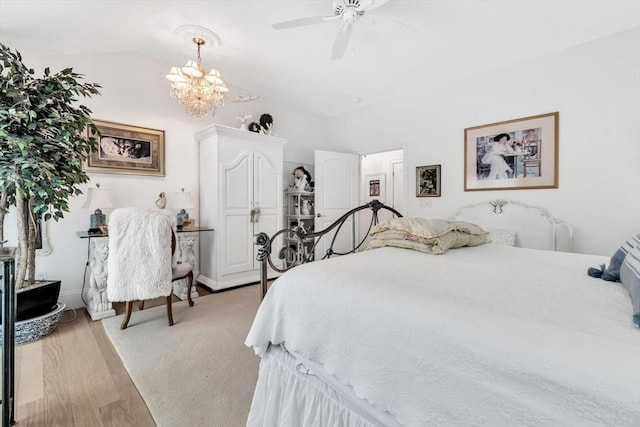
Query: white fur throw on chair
[{"x": 139, "y": 254}]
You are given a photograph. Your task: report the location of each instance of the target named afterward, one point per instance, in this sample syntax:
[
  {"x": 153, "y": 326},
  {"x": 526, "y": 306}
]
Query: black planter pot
[
  {"x": 36, "y": 300},
  {"x": 38, "y": 311}
]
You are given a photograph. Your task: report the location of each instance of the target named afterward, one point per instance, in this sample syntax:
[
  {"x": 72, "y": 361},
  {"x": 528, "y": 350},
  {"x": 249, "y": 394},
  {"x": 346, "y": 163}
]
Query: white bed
[{"x": 485, "y": 335}]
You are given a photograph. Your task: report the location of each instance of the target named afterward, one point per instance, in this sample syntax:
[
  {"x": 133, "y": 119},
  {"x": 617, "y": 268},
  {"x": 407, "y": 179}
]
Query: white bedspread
[{"x": 489, "y": 335}]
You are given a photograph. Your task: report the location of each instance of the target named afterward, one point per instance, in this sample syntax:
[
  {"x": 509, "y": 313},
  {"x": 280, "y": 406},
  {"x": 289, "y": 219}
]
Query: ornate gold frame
[{"x": 120, "y": 147}]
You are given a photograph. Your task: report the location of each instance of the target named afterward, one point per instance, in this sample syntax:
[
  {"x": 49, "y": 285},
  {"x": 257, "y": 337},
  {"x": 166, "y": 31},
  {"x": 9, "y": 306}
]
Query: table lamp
[
  {"x": 182, "y": 201},
  {"x": 97, "y": 199}
]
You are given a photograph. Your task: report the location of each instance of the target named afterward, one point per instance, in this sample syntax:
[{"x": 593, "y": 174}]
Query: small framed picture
[
  {"x": 376, "y": 186},
  {"x": 428, "y": 181},
  {"x": 125, "y": 149}
]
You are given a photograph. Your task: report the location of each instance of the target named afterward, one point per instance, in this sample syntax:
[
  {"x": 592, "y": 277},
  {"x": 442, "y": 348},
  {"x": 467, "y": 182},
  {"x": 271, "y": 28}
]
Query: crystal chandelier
[{"x": 198, "y": 91}]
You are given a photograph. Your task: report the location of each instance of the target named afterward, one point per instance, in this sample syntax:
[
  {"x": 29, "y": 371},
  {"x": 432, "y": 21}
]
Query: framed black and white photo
[
  {"x": 126, "y": 149},
  {"x": 376, "y": 186},
  {"x": 428, "y": 181}
]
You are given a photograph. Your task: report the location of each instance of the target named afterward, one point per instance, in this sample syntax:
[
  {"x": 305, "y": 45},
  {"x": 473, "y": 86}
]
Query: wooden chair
[
  {"x": 142, "y": 245},
  {"x": 179, "y": 271}
]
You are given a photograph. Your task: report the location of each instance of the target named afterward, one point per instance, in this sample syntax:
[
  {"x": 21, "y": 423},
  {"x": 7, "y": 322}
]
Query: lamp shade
[
  {"x": 192, "y": 69},
  {"x": 175, "y": 75},
  {"x": 97, "y": 198},
  {"x": 182, "y": 200}
]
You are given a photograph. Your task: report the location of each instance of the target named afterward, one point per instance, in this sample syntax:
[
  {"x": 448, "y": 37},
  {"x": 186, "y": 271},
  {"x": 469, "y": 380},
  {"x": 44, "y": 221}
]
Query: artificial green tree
[{"x": 43, "y": 142}]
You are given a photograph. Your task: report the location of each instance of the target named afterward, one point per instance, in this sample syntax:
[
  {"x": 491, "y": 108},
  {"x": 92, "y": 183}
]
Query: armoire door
[
  {"x": 267, "y": 182},
  {"x": 236, "y": 231},
  {"x": 252, "y": 203}
]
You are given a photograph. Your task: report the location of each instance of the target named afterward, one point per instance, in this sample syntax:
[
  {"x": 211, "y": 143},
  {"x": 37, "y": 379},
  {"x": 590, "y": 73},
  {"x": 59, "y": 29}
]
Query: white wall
[
  {"x": 134, "y": 91},
  {"x": 596, "y": 89}
]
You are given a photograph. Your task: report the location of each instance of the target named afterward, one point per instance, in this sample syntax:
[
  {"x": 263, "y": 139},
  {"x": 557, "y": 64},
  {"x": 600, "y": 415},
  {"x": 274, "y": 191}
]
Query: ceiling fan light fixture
[{"x": 199, "y": 92}]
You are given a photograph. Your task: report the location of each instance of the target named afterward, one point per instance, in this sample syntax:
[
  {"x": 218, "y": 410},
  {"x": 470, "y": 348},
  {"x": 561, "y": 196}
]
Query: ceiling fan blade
[
  {"x": 371, "y": 4},
  {"x": 389, "y": 18},
  {"x": 341, "y": 41},
  {"x": 311, "y": 20}
]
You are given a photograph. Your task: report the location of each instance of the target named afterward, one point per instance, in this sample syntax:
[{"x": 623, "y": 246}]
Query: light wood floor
[{"x": 74, "y": 377}]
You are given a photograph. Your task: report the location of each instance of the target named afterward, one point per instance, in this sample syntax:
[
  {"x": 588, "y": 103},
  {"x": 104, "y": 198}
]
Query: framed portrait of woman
[{"x": 512, "y": 155}]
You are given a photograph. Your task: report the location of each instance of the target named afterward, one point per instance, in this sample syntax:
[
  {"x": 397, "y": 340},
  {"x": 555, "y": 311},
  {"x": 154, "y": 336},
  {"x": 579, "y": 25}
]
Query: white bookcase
[{"x": 299, "y": 212}]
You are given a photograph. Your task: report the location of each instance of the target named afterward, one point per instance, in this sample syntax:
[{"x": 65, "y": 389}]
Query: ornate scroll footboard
[{"x": 292, "y": 255}]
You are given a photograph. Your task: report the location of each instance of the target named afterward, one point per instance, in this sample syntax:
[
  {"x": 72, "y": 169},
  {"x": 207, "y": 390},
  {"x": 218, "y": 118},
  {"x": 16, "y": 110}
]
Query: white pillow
[{"x": 501, "y": 236}]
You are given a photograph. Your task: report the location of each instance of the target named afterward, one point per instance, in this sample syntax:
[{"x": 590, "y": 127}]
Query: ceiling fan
[{"x": 349, "y": 11}]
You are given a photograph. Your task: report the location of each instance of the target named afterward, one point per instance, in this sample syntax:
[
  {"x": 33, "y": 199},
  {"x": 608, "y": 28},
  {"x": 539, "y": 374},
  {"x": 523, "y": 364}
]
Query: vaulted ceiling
[{"x": 397, "y": 48}]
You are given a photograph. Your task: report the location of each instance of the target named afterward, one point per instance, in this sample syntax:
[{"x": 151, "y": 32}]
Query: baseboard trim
[{"x": 72, "y": 299}]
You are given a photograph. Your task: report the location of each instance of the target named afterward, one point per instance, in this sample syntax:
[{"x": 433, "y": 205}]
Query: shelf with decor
[{"x": 299, "y": 213}]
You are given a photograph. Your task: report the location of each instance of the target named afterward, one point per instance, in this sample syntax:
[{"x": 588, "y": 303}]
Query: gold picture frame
[
  {"x": 126, "y": 149},
  {"x": 516, "y": 154}
]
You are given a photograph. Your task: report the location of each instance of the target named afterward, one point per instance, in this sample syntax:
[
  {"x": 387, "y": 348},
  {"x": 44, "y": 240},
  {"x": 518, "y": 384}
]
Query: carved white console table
[{"x": 94, "y": 294}]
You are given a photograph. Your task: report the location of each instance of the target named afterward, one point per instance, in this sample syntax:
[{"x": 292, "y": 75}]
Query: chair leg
[
  {"x": 190, "y": 281},
  {"x": 141, "y": 305},
  {"x": 127, "y": 316},
  {"x": 169, "y": 312}
]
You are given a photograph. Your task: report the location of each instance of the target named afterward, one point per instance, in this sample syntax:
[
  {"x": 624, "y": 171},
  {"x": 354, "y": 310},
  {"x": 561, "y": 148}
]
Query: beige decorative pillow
[
  {"x": 421, "y": 227},
  {"x": 401, "y": 243},
  {"x": 467, "y": 227},
  {"x": 435, "y": 245}
]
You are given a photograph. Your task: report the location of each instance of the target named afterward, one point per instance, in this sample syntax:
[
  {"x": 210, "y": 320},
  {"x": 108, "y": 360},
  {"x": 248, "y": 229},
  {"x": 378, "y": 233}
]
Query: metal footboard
[{"x": 291, "y": 255}]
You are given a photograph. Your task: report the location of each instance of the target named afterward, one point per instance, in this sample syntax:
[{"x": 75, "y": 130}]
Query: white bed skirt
[{"x": 289, "y": 394}]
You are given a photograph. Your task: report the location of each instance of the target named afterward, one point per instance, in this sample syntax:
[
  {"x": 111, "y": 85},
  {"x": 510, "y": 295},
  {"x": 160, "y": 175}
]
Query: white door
[{"x": 337, "y": 179}]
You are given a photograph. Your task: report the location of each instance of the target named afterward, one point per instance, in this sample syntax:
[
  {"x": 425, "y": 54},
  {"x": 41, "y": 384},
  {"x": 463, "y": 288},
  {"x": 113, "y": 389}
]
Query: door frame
[{"x": 405, "y": 196}]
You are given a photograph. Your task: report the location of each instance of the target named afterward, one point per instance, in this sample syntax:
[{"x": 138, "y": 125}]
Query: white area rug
[{"x": 197, "y": 372}]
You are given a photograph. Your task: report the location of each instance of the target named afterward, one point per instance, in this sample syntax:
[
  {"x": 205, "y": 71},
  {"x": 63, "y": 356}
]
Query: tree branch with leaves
[{"x": 43, "y": 142}]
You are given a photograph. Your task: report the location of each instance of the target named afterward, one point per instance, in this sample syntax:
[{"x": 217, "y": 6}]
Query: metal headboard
[{"x": 304, "y": 239}]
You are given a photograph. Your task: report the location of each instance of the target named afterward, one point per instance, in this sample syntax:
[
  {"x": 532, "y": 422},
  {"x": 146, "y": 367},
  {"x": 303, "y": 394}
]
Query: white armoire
[{"x": 240, "y": 195}]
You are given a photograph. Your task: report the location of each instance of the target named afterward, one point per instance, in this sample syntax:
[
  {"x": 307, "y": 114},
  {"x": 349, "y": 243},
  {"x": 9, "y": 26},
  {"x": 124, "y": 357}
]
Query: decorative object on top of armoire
[
  {"x": 241, "y": 195},
  {"x": 243, "y": 120},
  {"x": 266, "y": 124},
  {"x": 254, "y": 127}
]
